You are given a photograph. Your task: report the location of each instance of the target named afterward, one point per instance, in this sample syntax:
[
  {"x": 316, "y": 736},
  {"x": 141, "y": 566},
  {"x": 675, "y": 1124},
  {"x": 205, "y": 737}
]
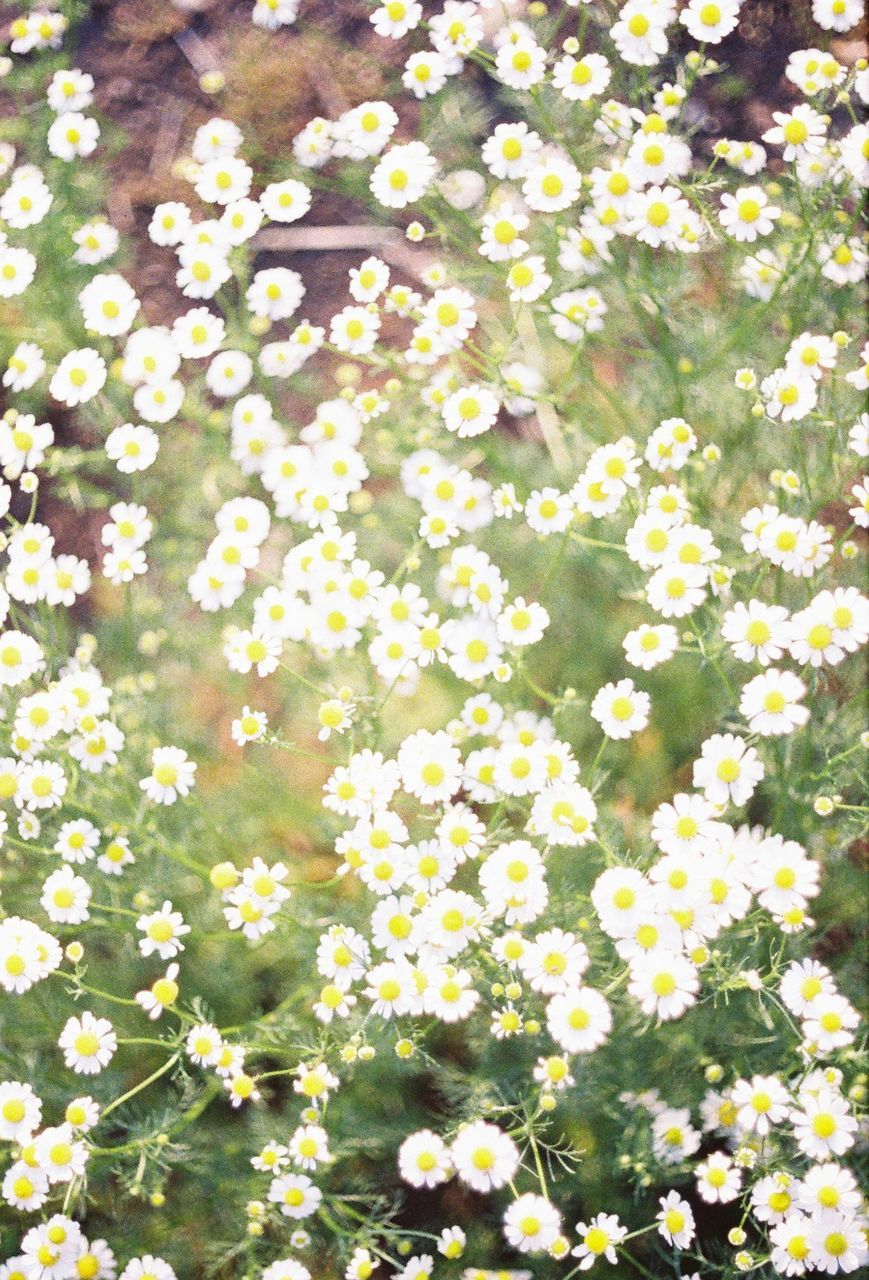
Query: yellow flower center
[
  {"x": 663, "y": 984},
  {"x": 165, "y": 991},
  {"x": 728, "y": 770},
  {"x": 795, "y": 132},
  {"x": 596, "y": 1240}
]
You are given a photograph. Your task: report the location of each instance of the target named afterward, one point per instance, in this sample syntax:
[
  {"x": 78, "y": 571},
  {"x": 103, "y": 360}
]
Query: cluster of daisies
[
  {"x": 433, "y": 946},
  {"x": 328, "y": 596},
  {"x": 47, "y": 1158},
  {"x": 453, "y": 830},
  {"x": 812, "y": 1219}
]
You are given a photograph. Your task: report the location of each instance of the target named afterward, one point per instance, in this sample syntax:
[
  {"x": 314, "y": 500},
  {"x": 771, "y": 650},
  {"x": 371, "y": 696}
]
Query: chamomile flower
[
  {"x": 718, "y": 1180},
  {"x": 115, "y": 856},
  {"x": 789, "y": 394},
  {"x": 88, "y": 1043},
  {"x": 26, "y": 200},
  {"x": 771, "y": 703},
  {"x": 600, "y": 1237},
  {"x": 684, "y": 826},
  {"x": 548, "y": 511},
  {"x": 60, "y": 1154},
  {"x": 823, "y": 1125},
  {"x": 756, "y": 632},
  {"x": 223, "y": 179},
  {"x": 65, "y": 897},
  {"x": 520, "y": 64},
  {"x": 253, "y": 650},
  {"x": 20, "y": 1111},
  {"x": 511, "y": 150},
  {"x": 579, "y": 1019},
  {"x": 710, "y": 23},
  {"x": 424, "y": 1160},
  {"x": 649, "y": 646},
  {"x": 828, "y": 1186},
  {"x": 161, "y": 995},
  {"x": 790, "y": 1240},
  {"x": 531, "y": 1223},
  {"x": 25, "y": 1188},
  {"x": 676, "y": 590},
  {"x": 837, "y": 15},
  {"x": 485, "y": 1157},
  {"x": 639, "y": 33},
  {"x": 132, "y": 448},
  {"x": 276, "y": 293},
  {"x": 837, "y": 1243},
  {"x": 250, "y": 726},
  {"x": 172, "y": 775},
  {"x": 24, "y": 367},
  {"x": 272, "y": 15},
  {"x": 396, "y": 17},
  {"x": 620, "y": 709},
  {"x": 563, "y": 814},
  {"x": 800, "y": 132},
  {"x": 470, "y": 411},
  {"x": 79, "y": 377},
  {"x": 527, "y": 279},
  {"x": 203, "y": 1045},
  {"x": 43, "y": 783},
  {"x": 830, "y": 1023},
  {"x": 72, "y": 136},
  {"x": 147, "y": 1266},
  {"x": 664, "y": 984},
  {"x": 285, "y": 201},
  {"x": 552, "y": 185},
  {"x": 203, "y": 268},
  {"x": 860, "y": 512},
  {"x": 579, "y": 79},
  {"x": 748, "y": 214},
  {"x": 728, "y": 770},
  {"x": 676, "y": 1220},
  {"x": 108, "y": 305},
  {"x": 162, "y": 932},
  {"x": 17, "y": 269},
  {"x": 761, "y": 1103},
  {"x": 403, "y": 175},
  {"x": 170, "y": 223}
]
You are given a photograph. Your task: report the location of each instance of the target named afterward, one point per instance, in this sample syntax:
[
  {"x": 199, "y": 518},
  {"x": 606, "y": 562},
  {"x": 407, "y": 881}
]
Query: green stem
[{"x": 143, "y": 1084}]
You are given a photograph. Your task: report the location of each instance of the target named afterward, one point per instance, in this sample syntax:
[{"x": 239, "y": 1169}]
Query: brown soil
[{"x": 147, "y": 57}]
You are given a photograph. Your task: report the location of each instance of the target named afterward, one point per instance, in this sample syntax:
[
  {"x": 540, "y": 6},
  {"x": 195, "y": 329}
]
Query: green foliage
[{"x": 169, "y": 1168}]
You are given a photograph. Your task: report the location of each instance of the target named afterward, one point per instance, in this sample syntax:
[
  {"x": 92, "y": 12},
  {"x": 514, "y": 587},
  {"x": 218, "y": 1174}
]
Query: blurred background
[{"x": 153, "y": 62}]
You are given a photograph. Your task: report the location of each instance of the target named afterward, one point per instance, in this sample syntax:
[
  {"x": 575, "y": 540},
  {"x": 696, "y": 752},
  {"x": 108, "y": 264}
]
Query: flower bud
[
  {"x": 223, "y": 876},
  {"x": 212, "y": 82}
]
